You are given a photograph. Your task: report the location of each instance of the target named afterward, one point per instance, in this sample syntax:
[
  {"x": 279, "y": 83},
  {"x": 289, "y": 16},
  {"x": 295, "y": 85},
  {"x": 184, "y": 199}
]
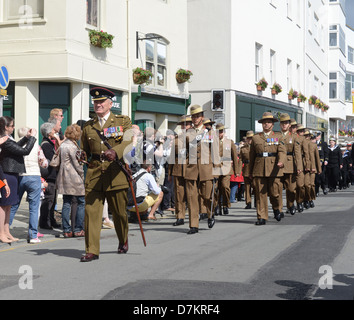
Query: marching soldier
[
  {"x": 293, "y": 156},
  {"x": 208, "y": 125},
  {"x": 245, "y": 165},
  {"x": 308, "y": 170},
  {"x": 199, "y": 168},
  {"x": 321, "y": 178},
  {"x": 176, "y": 170},
  {"x": 227, "y": 167},
  {"x": 302, "y": 167},
  {"x": 316, "y": 168},
  {"x": 267, "y": 157},
  {"x": 105, "y": 179}
]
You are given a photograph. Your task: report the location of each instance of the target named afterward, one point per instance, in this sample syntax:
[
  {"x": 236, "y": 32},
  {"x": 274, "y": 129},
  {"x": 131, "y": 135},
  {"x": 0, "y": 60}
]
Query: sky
[{"x": 349, "y": 4}]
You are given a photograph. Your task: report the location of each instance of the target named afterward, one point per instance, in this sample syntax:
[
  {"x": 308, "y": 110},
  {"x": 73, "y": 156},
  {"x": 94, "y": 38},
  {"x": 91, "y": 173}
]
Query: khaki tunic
[
  {"x": 201, "y": 149},
  {"x": 244, "y": 164},
  {"x": 265, "y": 172},
  {"x": 227, "y": 167}
]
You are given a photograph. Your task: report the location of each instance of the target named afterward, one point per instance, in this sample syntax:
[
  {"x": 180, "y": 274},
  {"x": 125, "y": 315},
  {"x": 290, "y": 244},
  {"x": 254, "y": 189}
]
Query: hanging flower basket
[
  {"x": 101, "y": 39},
  {"x": 261, "y": 85},
  {"x": 183, "y": 75},
  {"x": 141, "y": 76},
  {"x": 312, "y": 100},
  {"x": 276, "y": 88},
  {"x": 292, "y": 94},
  {"x": 301, "y": 98}
]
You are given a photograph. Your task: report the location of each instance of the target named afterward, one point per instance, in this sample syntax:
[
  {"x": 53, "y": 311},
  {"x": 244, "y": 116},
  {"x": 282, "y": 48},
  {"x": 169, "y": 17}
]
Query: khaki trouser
[
  {"x": 180, "y": 197},
  {"x": 117, "y": 202},
  {"x": 289, "y": 182},
  {"x": 313, "y": 186},
  {"x": 264, "y": 187},
  {"x": 300, "y": 188},
  {"x": 194, "y": 189},
  {"x": 222, "y": 189},
  {"x": 248, "y": 189},
  {"x": 307, "y": 182}
]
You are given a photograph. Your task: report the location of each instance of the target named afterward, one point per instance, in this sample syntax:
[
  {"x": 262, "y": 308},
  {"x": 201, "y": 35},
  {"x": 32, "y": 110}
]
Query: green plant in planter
[
  {"x": 262, "y": 84},
  {"x": 276, "y": 88},
  {"x": 183, "y": 75},
  {"x": 141, "y": 76},
  {"x": 101, "y": 39}
]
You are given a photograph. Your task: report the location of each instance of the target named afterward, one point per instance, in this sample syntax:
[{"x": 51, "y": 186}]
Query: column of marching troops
[{"x": 270, "y": 162}]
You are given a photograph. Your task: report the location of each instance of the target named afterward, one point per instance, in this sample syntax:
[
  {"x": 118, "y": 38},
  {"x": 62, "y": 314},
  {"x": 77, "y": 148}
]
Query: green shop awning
[{"x": 146, "y": 102}]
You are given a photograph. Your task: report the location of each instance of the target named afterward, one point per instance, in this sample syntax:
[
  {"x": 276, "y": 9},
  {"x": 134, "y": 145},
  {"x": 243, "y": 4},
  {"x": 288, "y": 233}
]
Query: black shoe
[
  {"x": 225, "y": 210},
  {"x": 248, "y": 206},
  {"x": 192, "y": 230},
  {"x": 179, "y": 222},
  {"x": 260, "y": 222},
  {"x": 311, "y": 203},
  {"x": 300, "y": 208},
  {"x": 158, "y": 211},
  {"x": 277, "y": 215},
  {"x": 203, "y": 216},
  {"x": 306, "y": 205},
  {"x": 211, "y": 222},
  {"x": 325, "y": 191},
  {"x": 292, "y": 210}
]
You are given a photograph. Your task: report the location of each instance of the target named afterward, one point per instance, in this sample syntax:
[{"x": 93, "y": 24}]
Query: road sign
[{"x": 4, "y": 77}]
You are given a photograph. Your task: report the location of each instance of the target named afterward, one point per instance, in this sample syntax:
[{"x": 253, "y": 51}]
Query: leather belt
[
  {"x": 290, "y": 153},
  {"x": 98, "y": 157},
  {"x": 246, "y": 161},
  {"x": 267, "y": 154}
]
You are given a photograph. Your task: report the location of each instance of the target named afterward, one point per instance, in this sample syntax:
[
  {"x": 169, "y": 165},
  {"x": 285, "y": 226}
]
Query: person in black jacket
[
  {"x": 321, "y": 178},
  {"x": 345, "y": 171},
  {"x": 46, "y": 219},
  {"x": 335, "y": 164},
  {"x": 12, "y": 162}
]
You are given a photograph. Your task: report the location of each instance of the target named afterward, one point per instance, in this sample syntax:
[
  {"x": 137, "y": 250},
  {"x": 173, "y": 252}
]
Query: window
[
  {"x": 333, "y": 85},
  {"x": 272, "y": 67},
  {"x": 258, "y": 62},
  {"x": 155, "y": 57},
  {"x": 92, "y": 13},
  {"x": 289, "y": 75},
  {"x": 337, "y": 86},
  {"x": 289, "y": 8},
  {"x": 17, "y": 9},
  {"x": 349, "y": 86},
  {"x": 333, "y": 36},
  {"x": 350, "y": 55},
  {"x": 337, "y": 37}
]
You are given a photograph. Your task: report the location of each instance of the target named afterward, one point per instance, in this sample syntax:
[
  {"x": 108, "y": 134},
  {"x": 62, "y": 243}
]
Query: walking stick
[{"x": 130, "y": 179}]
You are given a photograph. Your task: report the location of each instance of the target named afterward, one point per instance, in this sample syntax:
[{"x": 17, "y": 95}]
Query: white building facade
[
  {"x": 284, "y": 42},
  {"x": 45, "y": 45}
]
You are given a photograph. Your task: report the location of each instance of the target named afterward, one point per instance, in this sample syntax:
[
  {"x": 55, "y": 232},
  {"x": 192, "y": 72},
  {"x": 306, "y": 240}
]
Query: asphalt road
[{"x": 289, "y": 260}]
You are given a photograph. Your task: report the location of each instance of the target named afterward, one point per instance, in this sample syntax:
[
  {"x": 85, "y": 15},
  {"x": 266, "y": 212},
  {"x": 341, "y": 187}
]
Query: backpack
[{"x": 130, "y": 194}]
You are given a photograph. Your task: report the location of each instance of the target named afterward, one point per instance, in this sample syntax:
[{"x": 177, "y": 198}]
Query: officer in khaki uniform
[
  {"x": 267, "y": 157},
  {"x": 105, "y": 178},
  {"x": 244, "y": 164},
  {"x": 307, "y": 172},
  {"x": 227, "y": 167},
  {"x": 293, "y": 156},
  {"x": 302, "y": 167},
  {"x": 176, "y": 169},
  {"x": 198, "y": 173}
]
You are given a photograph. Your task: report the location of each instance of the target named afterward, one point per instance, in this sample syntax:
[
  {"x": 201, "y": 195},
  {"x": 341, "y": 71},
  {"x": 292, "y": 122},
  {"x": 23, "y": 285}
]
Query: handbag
[{"x": 55, "y": 162}]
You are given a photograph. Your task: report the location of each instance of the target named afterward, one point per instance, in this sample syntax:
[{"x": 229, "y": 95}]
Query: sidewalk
[{"x": 19, "y": 227}]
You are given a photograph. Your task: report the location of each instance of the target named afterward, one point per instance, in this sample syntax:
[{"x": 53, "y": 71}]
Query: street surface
[{"x": 236, "y": 260}]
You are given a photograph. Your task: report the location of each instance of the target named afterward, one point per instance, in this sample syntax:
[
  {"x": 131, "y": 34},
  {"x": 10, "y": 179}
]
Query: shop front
[
  {"x": 317, "y": 124},
  {"x": 249, "y": 110},
  {"x": 158, "y": 111}
]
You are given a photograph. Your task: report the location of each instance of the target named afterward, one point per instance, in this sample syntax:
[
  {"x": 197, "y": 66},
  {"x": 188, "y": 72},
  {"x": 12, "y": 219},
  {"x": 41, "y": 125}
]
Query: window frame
[
  {"x": 92, "y": 26},
  {"x": 7, "y": 18},
  {"x": 155, "y": 63}
]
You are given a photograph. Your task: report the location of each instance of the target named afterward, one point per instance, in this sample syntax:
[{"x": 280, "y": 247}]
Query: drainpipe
[{"x": 128, "y": 60}]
